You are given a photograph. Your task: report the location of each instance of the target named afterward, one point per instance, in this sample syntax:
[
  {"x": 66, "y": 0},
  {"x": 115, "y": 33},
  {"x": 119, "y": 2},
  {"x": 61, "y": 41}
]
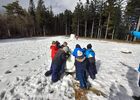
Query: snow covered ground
[{"x": 23, "y": 63}]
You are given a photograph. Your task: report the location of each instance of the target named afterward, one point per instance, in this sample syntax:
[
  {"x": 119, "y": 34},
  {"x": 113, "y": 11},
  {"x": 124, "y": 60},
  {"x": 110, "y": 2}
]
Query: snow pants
[
  {"x": 92, "y": 68},
  {"x": 57, "y": 71},
  {"x": 81, "y": 73},
  {"x": 82, "y": 78}
]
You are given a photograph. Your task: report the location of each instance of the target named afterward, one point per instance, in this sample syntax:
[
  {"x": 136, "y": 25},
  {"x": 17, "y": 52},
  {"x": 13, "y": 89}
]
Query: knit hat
[
  {"x": 66, "y": 49},
  {"x": 65, "y": 43},
  {"x": 53, "y": 42},
  {"x": 89, "y": 46},
  {"x": 77, "y": 46}
]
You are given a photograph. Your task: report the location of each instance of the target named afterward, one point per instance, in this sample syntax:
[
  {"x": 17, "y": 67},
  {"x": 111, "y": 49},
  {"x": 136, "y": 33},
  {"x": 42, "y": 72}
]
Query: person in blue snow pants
[
  {"x": 90, "y": 55},
  {"x": 58, "y": 64},
  {"x": 81, "y": 66},
  {"x": 74, "y": 53},
  {"x": 57, "y": 71}
]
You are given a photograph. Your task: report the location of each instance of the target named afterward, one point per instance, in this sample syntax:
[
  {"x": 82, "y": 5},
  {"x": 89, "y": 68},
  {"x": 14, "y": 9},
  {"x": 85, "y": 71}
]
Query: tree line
[{"x": 95, "y": 19}]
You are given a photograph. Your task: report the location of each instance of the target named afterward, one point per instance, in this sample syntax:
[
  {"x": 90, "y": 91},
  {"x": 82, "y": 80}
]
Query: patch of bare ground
[{"x": 80, "y": 94}]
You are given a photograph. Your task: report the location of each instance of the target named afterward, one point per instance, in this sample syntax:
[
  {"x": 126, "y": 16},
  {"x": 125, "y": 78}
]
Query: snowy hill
[{"x": 23, "y": 63}]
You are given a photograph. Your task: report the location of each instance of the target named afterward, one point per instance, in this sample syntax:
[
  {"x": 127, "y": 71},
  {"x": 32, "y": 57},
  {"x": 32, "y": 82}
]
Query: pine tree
[
  {"x": 86, "y": 16},
  {"x": 31, "y": 8},
  {"x": 92, "y": 11},
  {"x": 77, "y": 17},
  {"x": 67, "y": 18},
  {"x": 14, "y": 9},
  {"x": 31, "y": 11},
  {"x": 15, "y": 19},
  {"x": 110, "y": 7},
  {"x": 100, "y": 11},
  {"x": 50, "y": 21},
  {"x": 41, "y": 17}
]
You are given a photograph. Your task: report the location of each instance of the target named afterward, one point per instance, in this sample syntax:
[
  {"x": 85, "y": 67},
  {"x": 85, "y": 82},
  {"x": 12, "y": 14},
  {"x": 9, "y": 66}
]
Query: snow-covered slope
[{"x": 23, "y": 63}]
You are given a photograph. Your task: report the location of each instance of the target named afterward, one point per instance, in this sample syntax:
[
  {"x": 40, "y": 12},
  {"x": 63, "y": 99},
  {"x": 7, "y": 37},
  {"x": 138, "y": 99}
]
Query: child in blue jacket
[
  {"x": 81, "y": 65},
  {"x": 90, "y": 55}
]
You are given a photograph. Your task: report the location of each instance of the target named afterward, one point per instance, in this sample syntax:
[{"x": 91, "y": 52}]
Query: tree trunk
[
  {"x": 107, "y": 25},
  {"x": 85, "y": 28},
  {"x": 34, "y": 31},
  {"x": 92, "y": 28},
  {"x": 113, "y": 33},
  {"x": 99, "y": 27},
  {"x": 78, "y": 28},
  {"x": 66, "y": 30},
  {"x": 101, "y": 31},
  {"x": 44, "y": 31},
  {"x": 69, "y": 27},
  {"x": 9, "y": 34}
]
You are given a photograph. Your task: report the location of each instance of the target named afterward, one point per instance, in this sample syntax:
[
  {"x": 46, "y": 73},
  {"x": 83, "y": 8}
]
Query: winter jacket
[
  {"x": 89, "y": 53},
  {"x": 59, "y": 58},
  {"x": 54, "y": 50},
  {"x": 76, "y": 53}
]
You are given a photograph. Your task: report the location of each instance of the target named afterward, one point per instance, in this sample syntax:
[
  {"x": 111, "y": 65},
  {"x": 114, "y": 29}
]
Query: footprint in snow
[
  {"x": 2, "y": 58},
  {"x": 27, "y": 78},
  {"x": 8, "y": 72},
  {"x": 33, "y": 59},
  {"x": 35, "y": 70},
  {"x": 2, "y": 94},
  {"x": 27, "y": 62},
  {"x": 15, "y": 66},
  {"x": 38, "y": 57},
  {"x": 21, "y": 70}
]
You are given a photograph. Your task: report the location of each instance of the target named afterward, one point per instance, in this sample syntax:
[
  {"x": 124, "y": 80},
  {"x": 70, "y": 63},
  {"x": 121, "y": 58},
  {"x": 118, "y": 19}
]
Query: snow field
[{"x": 24, "y": 62}]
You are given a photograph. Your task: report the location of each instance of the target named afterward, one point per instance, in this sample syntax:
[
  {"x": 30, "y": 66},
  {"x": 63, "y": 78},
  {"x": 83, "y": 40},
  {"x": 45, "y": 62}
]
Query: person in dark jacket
[
  {"x": 58, "y": 65},
  {"x": 90, "y": 55},
  {"x": 81, "y": 64}
]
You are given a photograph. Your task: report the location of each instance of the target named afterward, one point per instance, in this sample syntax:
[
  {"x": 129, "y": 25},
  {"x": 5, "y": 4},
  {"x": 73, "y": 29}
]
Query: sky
[{"x": 58, "y": 6}]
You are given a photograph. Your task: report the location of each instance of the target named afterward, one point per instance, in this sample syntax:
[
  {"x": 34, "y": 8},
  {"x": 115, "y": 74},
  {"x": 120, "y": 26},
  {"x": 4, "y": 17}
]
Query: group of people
[{"x": 84, "y": 62}]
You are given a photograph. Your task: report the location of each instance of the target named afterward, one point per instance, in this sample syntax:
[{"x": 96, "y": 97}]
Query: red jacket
[{"x": 54, "y": 50}]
